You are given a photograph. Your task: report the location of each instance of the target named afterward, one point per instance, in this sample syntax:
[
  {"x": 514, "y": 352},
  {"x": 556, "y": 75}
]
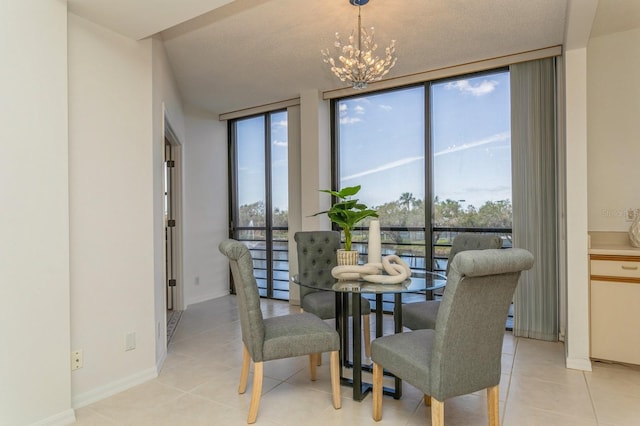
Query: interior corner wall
[
  {"x": 35, "y": 384},
  {"x": 613, "y": 93},
  {"x": 295, "y": 195},
  {"x": 577, "y": 337},
  {"x": 205, "y": 206},
  {"x": 111, "y": 209},
  {"x": 315, "y": 159},
  {"x": 167, "y": 105}
]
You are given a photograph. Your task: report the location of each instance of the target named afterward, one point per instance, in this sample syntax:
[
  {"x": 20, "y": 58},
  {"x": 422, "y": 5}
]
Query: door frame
[{"x": 176, "y": 189}]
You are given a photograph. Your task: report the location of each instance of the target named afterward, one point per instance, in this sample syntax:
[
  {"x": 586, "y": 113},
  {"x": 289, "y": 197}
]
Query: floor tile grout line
[{"x": 593, "y": 405}]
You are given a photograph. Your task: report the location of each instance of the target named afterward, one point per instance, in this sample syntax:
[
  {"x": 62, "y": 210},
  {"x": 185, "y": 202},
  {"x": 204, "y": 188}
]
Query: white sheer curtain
[{"x": 534, "y": 174}]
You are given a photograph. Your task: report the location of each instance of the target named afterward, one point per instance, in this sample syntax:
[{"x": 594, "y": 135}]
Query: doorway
[{"x": 172, "y": 202}]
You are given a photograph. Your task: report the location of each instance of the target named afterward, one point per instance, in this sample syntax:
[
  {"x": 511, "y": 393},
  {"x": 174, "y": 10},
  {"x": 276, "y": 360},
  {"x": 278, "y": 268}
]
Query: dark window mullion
[
  {"x": 268, "y": 205},
  {"x": 428, "y": 185}
]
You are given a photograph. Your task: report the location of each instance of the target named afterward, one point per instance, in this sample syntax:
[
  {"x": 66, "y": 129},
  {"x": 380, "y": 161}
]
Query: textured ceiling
[
  {"x": 250, "y": 53},
  {"x": 230, "y": 55}
]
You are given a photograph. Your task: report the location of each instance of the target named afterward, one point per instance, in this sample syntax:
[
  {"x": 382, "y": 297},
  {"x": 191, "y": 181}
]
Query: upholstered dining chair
[
  {"x": 419, "y": 315},
  {"x": 463, "y": 353},
  {"x": 316, "y": 257},
  {"x": 278, "y": 337}
]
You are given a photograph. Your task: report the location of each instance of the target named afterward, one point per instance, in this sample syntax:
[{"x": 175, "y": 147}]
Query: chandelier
[{"x": 358, "y": 63}]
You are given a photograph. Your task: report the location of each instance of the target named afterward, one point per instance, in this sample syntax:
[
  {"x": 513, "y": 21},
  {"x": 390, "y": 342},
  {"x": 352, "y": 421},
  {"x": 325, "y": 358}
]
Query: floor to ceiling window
[
  {"x": 381, "y": 146},
  {"x": 433, "y": 159},
  {"x": 470, "y": 136},
  {"x": 259, "y": 197}
]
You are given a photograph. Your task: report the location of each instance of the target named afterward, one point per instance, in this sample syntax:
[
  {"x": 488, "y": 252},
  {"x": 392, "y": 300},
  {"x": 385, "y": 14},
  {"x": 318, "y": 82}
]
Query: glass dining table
[{"x": 348, "y": 292}]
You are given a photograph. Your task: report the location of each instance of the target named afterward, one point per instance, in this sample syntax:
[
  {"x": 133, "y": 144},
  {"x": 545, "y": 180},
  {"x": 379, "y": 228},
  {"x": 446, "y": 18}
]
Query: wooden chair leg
[
  {"x": 335, "y": 379},
  {"x": 312, "y": 366},
  {"x": 493, "y": 405},
  {"x": 377, "y": 392},
  {"x": 244, "y": 373},
  {"x": 367, "y": 336},
  {"x": 256, "y": 392},
  {"x": 437, "y": 412},
  {"x": 427, "y": 400}
]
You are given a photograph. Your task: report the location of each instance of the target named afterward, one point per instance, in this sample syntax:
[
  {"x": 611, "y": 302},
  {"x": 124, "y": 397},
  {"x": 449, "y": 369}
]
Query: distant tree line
[{"x": 407, "y": 211}]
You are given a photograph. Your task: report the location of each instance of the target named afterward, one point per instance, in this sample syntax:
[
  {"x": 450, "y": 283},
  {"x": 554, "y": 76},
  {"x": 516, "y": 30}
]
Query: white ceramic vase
[
  {"x": 634, "y": 231},
  {"x": 375, "y": 245}
]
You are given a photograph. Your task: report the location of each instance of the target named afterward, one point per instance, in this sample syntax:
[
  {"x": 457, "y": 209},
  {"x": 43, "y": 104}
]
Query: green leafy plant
[{"x": 346, "y": 212}]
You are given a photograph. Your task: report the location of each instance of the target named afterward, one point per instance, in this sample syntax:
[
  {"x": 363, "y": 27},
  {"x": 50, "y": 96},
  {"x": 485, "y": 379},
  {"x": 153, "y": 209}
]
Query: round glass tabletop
[{"x": 419, "y": 281}]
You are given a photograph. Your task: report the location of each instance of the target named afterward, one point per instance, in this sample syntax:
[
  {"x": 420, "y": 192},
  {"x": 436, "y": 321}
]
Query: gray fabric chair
[
  {"x": 420, "y": 315},
  {"x": 316, "y": 257},
  {"x": 464, "y": 352},
  {"x": 275, "y": 338}
]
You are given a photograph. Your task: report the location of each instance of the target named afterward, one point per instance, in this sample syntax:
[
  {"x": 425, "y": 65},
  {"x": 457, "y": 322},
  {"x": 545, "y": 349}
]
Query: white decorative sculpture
[{"x": 396, "y": 270}]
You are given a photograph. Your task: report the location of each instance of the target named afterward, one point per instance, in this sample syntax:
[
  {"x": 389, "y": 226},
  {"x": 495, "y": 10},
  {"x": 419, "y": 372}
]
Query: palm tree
[{"x": 406, "y": 200}]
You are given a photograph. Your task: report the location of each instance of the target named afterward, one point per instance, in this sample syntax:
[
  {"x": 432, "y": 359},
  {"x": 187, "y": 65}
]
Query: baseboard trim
[
  {"x": 113, "y": 388},
  {"x": 578, "y": 364},
  {"x": 63, "y": 418},
  {"x": 205, "y": 297}
]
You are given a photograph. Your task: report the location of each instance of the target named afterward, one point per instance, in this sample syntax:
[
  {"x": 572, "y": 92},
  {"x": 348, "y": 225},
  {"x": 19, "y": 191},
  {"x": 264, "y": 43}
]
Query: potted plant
[{"x": 346, "y": 212}]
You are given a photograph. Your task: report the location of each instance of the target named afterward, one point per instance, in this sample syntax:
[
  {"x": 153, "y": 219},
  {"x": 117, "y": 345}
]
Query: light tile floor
[{"x": 198, "y": 386}]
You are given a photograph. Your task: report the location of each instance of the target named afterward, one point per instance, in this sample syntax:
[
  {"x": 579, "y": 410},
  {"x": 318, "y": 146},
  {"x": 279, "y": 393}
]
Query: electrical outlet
[
  {"x": 76, "y": 359},
  {"x": 130, "y": 341}
]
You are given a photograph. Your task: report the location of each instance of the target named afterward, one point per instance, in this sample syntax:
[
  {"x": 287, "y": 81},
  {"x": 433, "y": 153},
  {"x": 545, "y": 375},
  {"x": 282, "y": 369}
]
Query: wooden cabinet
[{"x": 615, "y": 308}]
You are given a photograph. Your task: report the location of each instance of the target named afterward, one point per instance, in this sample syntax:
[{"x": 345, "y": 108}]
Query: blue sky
[
  {"x": 382, "y": 138},
  {"x": 382, "y": 144}
]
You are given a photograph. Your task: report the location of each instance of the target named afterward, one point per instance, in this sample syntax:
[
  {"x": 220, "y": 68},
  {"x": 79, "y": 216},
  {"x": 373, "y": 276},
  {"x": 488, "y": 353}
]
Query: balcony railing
[
  {"x": 409, "y": 243},
  {"x": 270, "y": 259}
]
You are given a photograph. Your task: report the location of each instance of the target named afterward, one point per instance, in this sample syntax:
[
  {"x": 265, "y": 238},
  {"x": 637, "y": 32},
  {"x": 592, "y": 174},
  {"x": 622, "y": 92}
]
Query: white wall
[
  {"x": 206, "y": 223},
  {"x": 577, "y": 341},
  {"x": 614, "y": 129},
  {"x": 602, "y": 101},
  {"x": 111, "y": 209},
  {"x": 34, "y": 254},
  {"x": 315, "y": 158},
  {"x": 167, "y": 105}
]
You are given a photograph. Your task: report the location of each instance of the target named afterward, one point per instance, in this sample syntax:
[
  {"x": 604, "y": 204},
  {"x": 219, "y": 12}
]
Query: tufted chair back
[
  {"x": 316, "y": 257},
  {"x": 469, "y": 241}
]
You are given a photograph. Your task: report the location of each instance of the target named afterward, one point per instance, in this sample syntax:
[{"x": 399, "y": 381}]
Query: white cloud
[
  {"x": 280, "y": 143},
  {"x": 385, "y": 107},
  {"x": 282, "y": 123},
  {"x": 349, "y": 120},
  {"x": 342, "y": 107},
  {"x": 388, "y": 166},
  {"x": 359, "y": 109},
  {"x": 500, "y": 137},
  {"x": 484, "y": 88}
]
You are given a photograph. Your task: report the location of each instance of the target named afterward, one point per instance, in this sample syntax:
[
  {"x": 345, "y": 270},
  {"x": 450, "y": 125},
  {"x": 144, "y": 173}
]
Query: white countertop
[{"x": 611, "y": 243}]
